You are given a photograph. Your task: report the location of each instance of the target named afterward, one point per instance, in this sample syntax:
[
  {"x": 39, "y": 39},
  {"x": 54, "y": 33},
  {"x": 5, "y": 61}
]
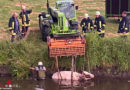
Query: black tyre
[
  {"x": 44, "y": 28},
  {"x": 45, "y": 32}
]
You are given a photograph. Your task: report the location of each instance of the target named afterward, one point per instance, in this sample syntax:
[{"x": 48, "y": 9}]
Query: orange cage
[{"x": 66, "y": 46}]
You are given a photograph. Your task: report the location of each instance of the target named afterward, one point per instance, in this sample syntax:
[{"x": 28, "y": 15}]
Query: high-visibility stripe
[
  {"x": 24, "y": 18},
  {"x": 100, "y": 24},
  {"x": 126, "y": 28},
  {"x": 13, "y": 33},
  {"x": 88, "y": 26},
  {"x": 83, "y": 24},
  {"x": 102, "y": 31},
  {"x": 10, "y": 28},
  {"x": 25, "y": 24},
  {"x": 91, "y": 27},
  {"x": 12, "y": 25},
  {"x": 124, "y": 25},
  {"x": 104, "y": 25}
]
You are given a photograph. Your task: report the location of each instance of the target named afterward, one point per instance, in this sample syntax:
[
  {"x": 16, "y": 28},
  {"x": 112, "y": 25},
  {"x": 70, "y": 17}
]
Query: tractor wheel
[
  {"x": 41, "y": 28},
  {"x": 44, "y": 28},
  {"x": 43, "y": 32},
  {"x": 46, "y": 32}
]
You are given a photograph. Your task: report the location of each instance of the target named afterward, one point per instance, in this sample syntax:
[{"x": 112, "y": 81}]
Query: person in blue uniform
[
  {"x": 24, "y": 15},
  {"x": 14, "y": 27},
  {"x": 86, "y": 24},
  {"x": 124, "y": 23},
  {"x": 99, "y": 24}
]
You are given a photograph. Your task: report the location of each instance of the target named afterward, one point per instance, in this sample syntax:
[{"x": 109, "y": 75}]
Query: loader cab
[
  {"x": 66, "y": 6},
  {"x": 69, "y": 9}
]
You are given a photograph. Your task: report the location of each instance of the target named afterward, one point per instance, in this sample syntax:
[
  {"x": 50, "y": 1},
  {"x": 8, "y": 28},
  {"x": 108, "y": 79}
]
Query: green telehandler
[
  {"x": 60, "y": 20},
  {"x": 59, "y": 27}
]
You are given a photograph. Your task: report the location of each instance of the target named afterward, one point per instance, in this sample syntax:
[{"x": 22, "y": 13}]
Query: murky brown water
[{"x": 49, "y": 84}]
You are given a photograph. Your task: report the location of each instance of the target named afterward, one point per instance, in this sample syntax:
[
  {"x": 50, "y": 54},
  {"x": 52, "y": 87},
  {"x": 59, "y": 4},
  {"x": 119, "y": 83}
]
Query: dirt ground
[
  {"x": 112, "y": 34},
  {"x": 4, "y": 36}
]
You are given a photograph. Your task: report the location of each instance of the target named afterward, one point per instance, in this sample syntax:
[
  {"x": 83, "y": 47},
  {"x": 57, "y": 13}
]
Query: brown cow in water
[{"x": 66, "y": 75}]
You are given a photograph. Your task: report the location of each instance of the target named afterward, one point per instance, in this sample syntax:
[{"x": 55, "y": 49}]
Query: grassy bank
[
  {"x": 105, "y": 52},
  {"x": 108, "y": 52}
]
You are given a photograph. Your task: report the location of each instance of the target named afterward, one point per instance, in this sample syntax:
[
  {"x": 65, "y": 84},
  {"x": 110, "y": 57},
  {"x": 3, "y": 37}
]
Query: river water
[{"x": 50, "y": 84}]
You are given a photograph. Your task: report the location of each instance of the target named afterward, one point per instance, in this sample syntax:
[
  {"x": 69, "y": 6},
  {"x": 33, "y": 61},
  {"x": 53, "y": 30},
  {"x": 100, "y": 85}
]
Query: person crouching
[{"x": 86, "y": 24}]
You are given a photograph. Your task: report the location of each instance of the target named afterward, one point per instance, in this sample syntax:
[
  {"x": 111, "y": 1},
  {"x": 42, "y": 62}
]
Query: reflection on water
[
  {"x": 49, "y": 84},
  {"x": 67, "y": 84}
]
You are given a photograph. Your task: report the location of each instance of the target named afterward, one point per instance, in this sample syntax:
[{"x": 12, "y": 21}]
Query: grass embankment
[
  {"x": 108, "y": 52},
  {"x": 21, "y": 55},
  {"x": 105, "y": 52}
]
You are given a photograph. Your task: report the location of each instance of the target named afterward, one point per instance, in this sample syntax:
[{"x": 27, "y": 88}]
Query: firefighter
[
  {"x": 24, "y": 15},
  {"x": 86, "y": 24},
  {"x": 40, "y": 71},
  {"x": 14, "y": 27},
  {"x": 100, "y": 24},
  {"x": 124, "y": 24}
]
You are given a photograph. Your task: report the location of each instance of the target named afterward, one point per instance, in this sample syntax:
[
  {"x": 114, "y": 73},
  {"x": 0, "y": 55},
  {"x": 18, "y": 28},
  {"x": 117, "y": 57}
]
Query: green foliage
[
  {"x": 21, "y": 55},
  {"x": 108, "y": 52}
]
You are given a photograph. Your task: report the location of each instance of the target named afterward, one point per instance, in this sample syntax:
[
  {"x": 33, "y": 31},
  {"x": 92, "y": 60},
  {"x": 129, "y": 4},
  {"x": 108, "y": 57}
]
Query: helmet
[
  {"x": 86, "y": 15},
  {"x": 23, "y": 7},
  {"x": 40, "y": 63},
  {"x": 15, "y": 14},
  {"x": 98, "y": 13}
]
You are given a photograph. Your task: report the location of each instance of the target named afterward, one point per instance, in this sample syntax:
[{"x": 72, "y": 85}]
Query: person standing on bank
[
  {"x": 14, "y": 27},
  {"x": 86, "y": 24},
  {"x": 40, "y": 71},
  {"x": 124, "y": 23},
  {"x": 24, "y": 15},
  {"x": 100, "y": 24}
]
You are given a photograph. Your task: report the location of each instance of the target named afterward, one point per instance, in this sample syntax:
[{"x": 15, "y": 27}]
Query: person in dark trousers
[
  {"x": 86, "y": 24},
  {"x": 124, "y": 24},
  {"x": 24, "y": 15},
  {"x": 14, "y": 27},
  {"x": 40, "y": 71},
  {"x": 100, "y": 24}
]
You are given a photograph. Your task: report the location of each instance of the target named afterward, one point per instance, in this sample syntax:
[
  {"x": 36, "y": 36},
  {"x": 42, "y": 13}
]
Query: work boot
[{"x": 12, "y": 38}]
